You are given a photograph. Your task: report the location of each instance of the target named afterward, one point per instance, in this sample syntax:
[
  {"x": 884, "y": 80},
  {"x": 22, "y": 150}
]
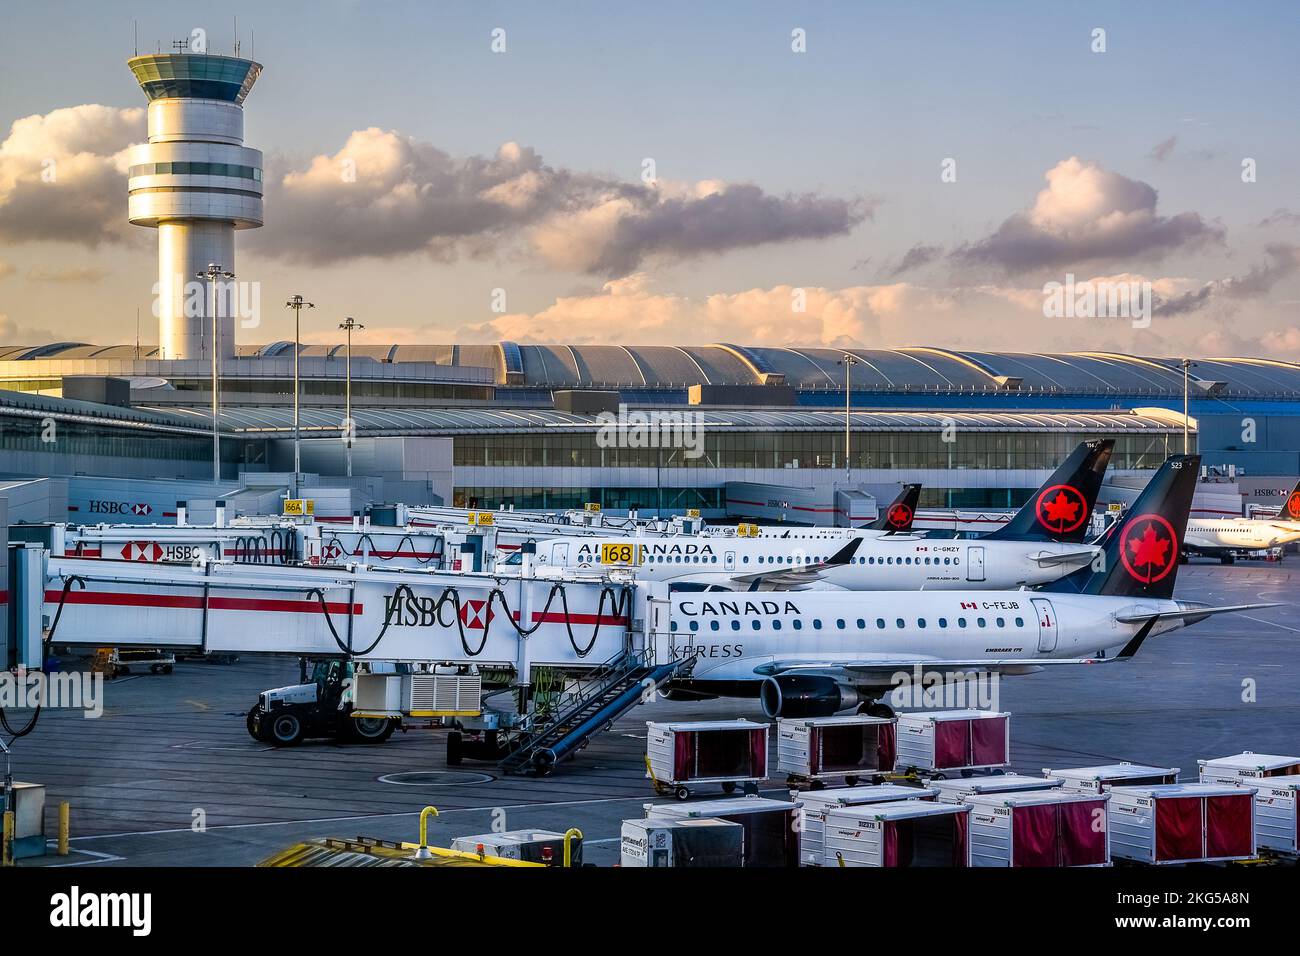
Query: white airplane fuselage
[
  {"x": 747, "y": 636},
  {"x": 1238, "y": 534},
  {"x": 889, "y": 563}
]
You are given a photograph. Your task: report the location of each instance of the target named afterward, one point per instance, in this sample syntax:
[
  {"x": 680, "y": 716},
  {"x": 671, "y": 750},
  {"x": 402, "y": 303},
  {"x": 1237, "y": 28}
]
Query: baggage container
[
  {"x": 956, "y": 791},
  {"x": 682, "y": 843},
  {"x": 940, "y": 742},
  {"x": 1039, "y": 828},
  {"x": 726, "y": 752},
  {"x": 1247, "y": 766},
  {"x": 1277, "y": 814},
  {"x": 819, "y": 802},
  {"x": 531, "y": 846},
  {"x": 1100, "y": 779},
  {"x": 1182, "y": 823},
  {"x": 771, "y": 829},
  {"x": 822, "y": 748},
  {"x": 908, "y": 833}
]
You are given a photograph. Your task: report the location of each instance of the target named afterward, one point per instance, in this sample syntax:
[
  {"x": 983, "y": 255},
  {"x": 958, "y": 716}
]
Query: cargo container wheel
[{"x": 682, "y": 793}]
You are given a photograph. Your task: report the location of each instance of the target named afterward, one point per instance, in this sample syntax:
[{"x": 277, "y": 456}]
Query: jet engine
[{"x": 795, "y": 695}]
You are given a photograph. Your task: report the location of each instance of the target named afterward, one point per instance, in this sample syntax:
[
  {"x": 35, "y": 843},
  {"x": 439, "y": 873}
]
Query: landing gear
[{"x": 874, "y": 708}]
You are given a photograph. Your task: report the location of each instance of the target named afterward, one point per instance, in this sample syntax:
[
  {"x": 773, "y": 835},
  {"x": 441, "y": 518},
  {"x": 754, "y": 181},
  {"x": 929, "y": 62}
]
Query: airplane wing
[
  {"x": 795, "y": 575},
  {"x": 1192, "y": 613},
  {"x": 1049, "y": 559}
]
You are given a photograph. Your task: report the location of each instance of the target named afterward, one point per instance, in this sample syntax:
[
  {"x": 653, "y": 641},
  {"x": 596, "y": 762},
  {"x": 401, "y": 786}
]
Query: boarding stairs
[{"x": 587, "y": 707}]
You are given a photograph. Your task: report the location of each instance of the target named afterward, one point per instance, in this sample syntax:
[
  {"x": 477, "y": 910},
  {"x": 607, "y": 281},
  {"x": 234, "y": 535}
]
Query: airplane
[
  {"x": 1222, "y": 538},
  {"x": 816, "y": 653},
  {"x": 1027, "y": 554}
]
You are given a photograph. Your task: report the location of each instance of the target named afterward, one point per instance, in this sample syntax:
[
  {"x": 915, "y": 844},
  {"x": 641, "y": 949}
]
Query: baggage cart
[
  {"x": 1102, "y": 778},
  {"x": 694, "y": 843},
  {"x": 1247, "y": 766},
  {"x": 1039, "y": 828},
  {"x": 1181, "y": 823},
  {"x": 683, "y": 754},
  {"x": 908, "y": 833},
  {"x": 771, "y": 826},
  {"x": 530, "y": 846},
  {"x": 1277, "y": 815},
  {"x": 956, "y": 791},
  {"x": 815, "y": 749},
  {"x": 940, "y": 743},
  {"x": 817, "y": 804}
]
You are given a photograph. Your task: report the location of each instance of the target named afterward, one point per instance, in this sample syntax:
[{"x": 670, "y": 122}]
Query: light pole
[
  {"x": 1187, "y": 364},
  {"x": 297, "y": 303},
  {"x": 349, "y": 429},
  {"x": 848, "y": 361},
  {"x": 213, "y": 273}
]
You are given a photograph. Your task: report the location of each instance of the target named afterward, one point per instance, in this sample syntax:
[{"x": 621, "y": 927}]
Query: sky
[{"x": 820, "y": 174}]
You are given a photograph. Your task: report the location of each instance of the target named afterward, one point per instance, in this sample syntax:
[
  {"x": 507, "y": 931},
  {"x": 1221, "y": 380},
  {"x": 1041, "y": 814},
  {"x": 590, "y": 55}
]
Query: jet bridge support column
[{"x": 523, "y": 662}]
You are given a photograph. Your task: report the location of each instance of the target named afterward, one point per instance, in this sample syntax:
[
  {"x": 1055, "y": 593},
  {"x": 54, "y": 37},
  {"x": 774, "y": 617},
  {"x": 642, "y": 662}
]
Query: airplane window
[
  {"x": 756, "y": 624},
  {"x": 920, "y": 622},
  {"x": 861, "y": 624},
  {"x": 672, "y": 626},
  {"x": 899, "y": 622},
  {"x": 947, "y": 560},
  {"x": 871, "y": 560},
  {"x": 695, "y": 625},
  {"x": 980, "y": 622},
  {"x": 840, "y": 624},
  {"x": 943, "y": 622},
  {"x": 1002, "y": 622},
  {"x": 927, "y": 560},
  {"x": 817, "y": 624},
  {"x": 714, "y": 559},
  {"x": 961, "y": 622},
  {"x": 880, "y": 623},
  {"x": 1020, "y": 622},
  {"x": 956, "y": 560},
  {"x": 798, "y": 624},
  {"x": 745, "y": 560},
  {"x": 713, "y": 625},
  {"x": 735, "y": 625},
  {"x": 776, "y": 625}
]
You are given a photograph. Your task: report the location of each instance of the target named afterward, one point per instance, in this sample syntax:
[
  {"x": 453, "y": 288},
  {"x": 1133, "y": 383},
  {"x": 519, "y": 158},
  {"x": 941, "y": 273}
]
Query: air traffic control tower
[{"x": 196, "y": 183}]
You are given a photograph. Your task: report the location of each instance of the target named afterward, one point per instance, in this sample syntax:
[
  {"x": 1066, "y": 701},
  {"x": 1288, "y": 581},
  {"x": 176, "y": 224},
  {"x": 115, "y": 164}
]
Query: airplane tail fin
[
  {"x": 1060, "y": 510},
  {"x": 898, "y": 516},
  {"x": 1140, "y": 552},
  {"x": 1291, "y": 508}
]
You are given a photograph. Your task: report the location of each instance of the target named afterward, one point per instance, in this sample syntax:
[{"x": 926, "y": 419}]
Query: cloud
[
  {"x": 385, "y": 195},
  {"x": 1088, "y": 214},
  {"x": 1283, "y": 261},
  {"x": 919, "y": 255},
  {"x": 1280, "y": 217},
  {"x": 63, "y": 175},
  {"x": 6, "y": 269},
  {"x": 66, "y": 274},
  {"x": 1163, "y": 149},
  {"x": 11, "y": 333}
]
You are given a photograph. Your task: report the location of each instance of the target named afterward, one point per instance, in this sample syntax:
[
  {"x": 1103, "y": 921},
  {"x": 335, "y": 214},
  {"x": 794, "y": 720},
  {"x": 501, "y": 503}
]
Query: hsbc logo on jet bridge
[
  {"x": 408, "y": 610},
  {"x": 139, "y": 509}
]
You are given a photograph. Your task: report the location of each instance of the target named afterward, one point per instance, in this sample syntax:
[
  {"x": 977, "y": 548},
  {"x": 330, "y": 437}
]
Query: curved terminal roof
[{"x": 919, "y": 369}]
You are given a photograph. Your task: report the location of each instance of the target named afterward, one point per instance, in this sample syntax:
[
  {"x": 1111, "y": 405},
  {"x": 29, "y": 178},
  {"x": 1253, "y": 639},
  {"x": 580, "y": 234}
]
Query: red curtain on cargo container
[
  {"x": 1082, "y": 833},
  {"x": 889, "y": 844},
  {"x": 682, "y": 741},
  {"x": 886, "y": 747},
  {"x": 988, "y": 741},
  {"x": 1034, "y": 835},
  {"x": 951, "y": 743},
  {"x": 1178, "y": 828},
  {"x": 1228, "y": 825},
  {"x": 961, "y": 839},
  {"x": 758, "y": 753},
  {"x": 814, "y": 750}
]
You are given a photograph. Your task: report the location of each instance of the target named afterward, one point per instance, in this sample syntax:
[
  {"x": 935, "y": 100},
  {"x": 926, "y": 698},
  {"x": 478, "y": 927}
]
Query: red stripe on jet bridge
[
  {"x": 195, "y": 602},
  {"x": 4, "y": 597},
  {"x": 558, "y": 617}
]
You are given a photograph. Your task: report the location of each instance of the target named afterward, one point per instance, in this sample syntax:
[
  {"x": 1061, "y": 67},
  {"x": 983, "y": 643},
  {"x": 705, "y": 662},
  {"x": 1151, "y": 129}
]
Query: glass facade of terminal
[{"x": 811, "y": 449}]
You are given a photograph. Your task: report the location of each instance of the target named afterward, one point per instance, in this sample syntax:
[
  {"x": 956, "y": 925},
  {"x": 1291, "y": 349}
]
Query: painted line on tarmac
[
  {"x": 1260, "y": 620},
  {"x": 642, "y": 798}
]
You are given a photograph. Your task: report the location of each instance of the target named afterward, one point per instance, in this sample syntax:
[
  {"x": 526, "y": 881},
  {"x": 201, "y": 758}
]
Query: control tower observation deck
[{"x": 196, "y": 183}]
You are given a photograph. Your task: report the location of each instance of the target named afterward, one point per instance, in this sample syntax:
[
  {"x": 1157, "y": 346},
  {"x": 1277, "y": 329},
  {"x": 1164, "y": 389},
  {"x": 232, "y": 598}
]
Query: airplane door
[
  {"x": 729, "y": 560},
  {"x": 560, "y": 554},
  {"x": 975, "y": 564},
  {"x": 1046, "y": 624}
]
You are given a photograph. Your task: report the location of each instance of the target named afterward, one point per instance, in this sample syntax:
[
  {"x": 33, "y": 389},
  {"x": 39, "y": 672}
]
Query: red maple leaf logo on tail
[
  {"x": 1293, "y": 505},
  {"x": 1063, "y": 511},
  {"x": 900, "y": 515},
  {"x": 1149, "y": 556},
  {"x": 1060, "y": 509}
]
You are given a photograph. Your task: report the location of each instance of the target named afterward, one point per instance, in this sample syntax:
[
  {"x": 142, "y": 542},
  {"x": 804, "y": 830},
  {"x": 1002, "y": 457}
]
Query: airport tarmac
[{"x": 168, "y": 776}]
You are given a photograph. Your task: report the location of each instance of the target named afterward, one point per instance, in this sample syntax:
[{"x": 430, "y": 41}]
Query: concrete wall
[{"x": 36, "y": 501}]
